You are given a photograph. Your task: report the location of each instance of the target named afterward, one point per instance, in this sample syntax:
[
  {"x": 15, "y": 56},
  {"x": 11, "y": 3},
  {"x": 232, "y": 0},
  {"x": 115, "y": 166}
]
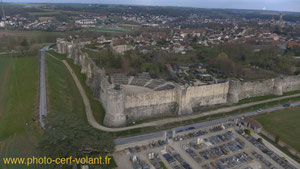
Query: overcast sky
[{"x": 279, "y": 5}]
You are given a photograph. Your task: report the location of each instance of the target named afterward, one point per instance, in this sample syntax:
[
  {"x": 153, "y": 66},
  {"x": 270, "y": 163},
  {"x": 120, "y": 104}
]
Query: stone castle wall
[
  {"x": 122, "y": 107},
  {"x": 275, "y": 86}
]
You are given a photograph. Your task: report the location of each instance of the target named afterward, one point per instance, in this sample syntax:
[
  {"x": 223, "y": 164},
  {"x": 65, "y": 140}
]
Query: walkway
[
  {"x": 277, "y": 151},
  {"x": 43, "y": 100},
  {"x": 96, "y": 125}
]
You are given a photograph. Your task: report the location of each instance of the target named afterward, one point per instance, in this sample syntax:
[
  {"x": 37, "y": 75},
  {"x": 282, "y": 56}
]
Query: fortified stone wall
[
  {"x": 276, "y": 86},
  {"x": 202, "y": 96},
  {"x": 150, "y": 104},
  {"x": 122, "y": 107},
  {"x": 289, "y": 83}
]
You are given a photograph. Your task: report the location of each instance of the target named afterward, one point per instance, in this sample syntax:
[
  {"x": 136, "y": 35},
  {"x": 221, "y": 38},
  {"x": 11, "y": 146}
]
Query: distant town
[{"x": 148, "y": 87}]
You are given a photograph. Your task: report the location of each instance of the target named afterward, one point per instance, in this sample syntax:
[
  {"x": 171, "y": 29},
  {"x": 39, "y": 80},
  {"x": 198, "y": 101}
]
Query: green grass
[
  {"x": 45, "y": 13},
  {"x": 5, "y": 70},
  {"x": 283, "y": 149},
  {"x": 261, "y": 98},
  {"x": 96, "y": 106},
  {"x": 110, "y": 30},
  {"x": 99, "y": 112},
  {"x": 134, "y": 132},
  {"x": 20, "y": 102},
  {"x": 20, "y": 106},
  {"x": 284, "y": 123},
  {"x": 162, "y": 165},
  {"x": 63, "y": 94}
]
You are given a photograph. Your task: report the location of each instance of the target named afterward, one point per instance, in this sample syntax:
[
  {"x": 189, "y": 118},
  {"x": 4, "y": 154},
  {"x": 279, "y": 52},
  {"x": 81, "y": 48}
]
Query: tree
[
  {"x": 223, "y": 62},
  {"x": 247, "y": 131},
  {"x": 260, "y": 140},
  {"x": 277, "y": 138},
  {"x": 24, "y": 43},
  {"x": 67, "y": 136}
]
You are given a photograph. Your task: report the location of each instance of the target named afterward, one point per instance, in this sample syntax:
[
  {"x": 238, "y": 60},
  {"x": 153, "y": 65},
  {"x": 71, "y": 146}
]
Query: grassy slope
[
  {"x": 63, "y": 95},
  {"x": 20, "y": 107},
  {"x": 97, "y": 108},
  {"x": 99, "y": 112},
  {"x": 5, "y": 70},
  {"x": 284, "y": 123}
]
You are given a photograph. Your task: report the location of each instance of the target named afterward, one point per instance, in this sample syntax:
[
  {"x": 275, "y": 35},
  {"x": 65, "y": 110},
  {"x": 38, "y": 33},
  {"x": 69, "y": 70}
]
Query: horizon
[{"x": 263, "y": 5}]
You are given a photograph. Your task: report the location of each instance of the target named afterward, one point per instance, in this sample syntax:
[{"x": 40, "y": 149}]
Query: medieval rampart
[{"x": 122, "y": 106}]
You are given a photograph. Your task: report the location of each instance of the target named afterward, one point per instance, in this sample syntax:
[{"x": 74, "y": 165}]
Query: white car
[{"x": 259, "y": 110}]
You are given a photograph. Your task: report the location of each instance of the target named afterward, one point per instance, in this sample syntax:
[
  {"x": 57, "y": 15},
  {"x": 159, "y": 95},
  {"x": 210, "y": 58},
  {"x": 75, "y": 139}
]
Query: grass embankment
[
  {"x": 63, "y": 95},
  {"x": 261, "y": 98},
  {"x": 285, "y": 124},
  {"x": 99, "y": 111},
  {"x": 19, "y": 81},
  {"x": 96, "y": 106},
  {"x": 202, "y": 119}
]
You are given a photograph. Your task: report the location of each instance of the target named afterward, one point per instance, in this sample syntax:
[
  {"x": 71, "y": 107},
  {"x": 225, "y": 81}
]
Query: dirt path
[
  {"x": 4, "y": 88},
  {"x": 96, "y": 125}
]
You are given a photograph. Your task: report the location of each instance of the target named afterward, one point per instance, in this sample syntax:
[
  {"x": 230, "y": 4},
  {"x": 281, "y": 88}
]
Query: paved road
[
  {"x": 277, "y": 151},
  {"x": 96, "y": 125},
  {"x": 198, "y": 125},
  {"x": 43, "y": 96},
  {"x": 119, "y": 141}
]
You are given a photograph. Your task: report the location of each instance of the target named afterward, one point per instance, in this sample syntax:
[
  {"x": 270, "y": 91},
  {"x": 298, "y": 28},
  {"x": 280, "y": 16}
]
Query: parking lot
[{"x": 223, "y": 146}]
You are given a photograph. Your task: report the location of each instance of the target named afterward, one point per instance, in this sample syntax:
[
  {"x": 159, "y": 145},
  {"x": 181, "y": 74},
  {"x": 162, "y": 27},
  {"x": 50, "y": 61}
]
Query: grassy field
[
  {"x": 5, "y": 70},
  {"x": 21, "y": 98},
  {"x": 96, "y": 106},
  {"x": 63, "y": 95},
  {"x": 46, "y": 13},
  {"x": 285, "y": 124},
  {"x": 111, "y": 29},
  {"x": 99, "y": 111},
  {"x": 19, "y": 79}
]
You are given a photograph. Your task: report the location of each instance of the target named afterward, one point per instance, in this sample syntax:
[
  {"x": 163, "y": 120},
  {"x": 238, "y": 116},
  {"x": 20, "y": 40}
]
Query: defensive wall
[{"x": 123, "y": 107}]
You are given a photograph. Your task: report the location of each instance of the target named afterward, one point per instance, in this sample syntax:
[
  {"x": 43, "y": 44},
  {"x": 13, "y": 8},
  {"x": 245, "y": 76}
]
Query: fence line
[{"x": 281, "y": 143}]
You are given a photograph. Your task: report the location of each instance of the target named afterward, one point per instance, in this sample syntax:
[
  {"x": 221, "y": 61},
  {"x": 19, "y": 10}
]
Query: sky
[{"x": 278, "y": 5}]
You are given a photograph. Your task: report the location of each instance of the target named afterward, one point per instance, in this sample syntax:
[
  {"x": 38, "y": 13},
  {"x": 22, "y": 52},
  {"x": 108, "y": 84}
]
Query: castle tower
[
  {"x": 115, "y": 109},
  {"x": 183, "y": 100},
  {"x": 277, "y": 89},
  {"x": 233, "y": 93}
]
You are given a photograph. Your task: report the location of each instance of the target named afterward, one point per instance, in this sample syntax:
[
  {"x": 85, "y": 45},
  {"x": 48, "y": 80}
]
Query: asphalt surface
[
  {"x": 92, "y": 121},
  {"x": 198, "y": 125},
  {"x": 277, "y": 151},
  {"x": 43, "y": 96},
  {"x": 11, "y": 52}
]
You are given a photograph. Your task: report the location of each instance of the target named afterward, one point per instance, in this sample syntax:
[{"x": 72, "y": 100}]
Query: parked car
[
  {"x": 286, "y": 105},
  {"x": 259, "y": 110}
]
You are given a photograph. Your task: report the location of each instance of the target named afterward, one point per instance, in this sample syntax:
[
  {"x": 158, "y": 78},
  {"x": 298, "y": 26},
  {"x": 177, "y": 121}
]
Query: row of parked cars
[
  {"x": 198, "y": 133},
  {"x": 286, "y": 105}
]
